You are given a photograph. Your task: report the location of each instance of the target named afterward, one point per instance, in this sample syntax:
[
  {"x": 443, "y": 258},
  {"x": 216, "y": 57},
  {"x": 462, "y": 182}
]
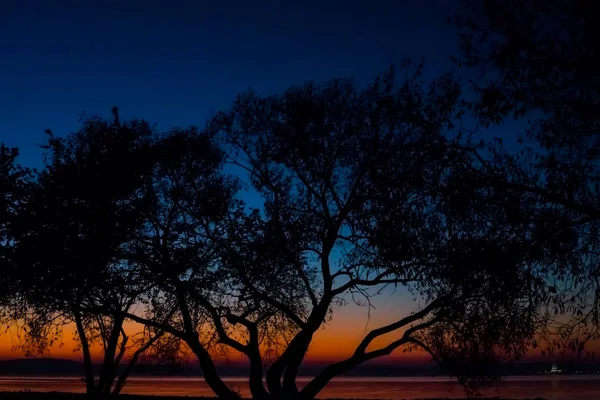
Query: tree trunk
[
  {"x": 87, "y": 358},
  {"x": 299, "y": 346},
  {"x": 120, "y": 384},
  {"x": 108, "y": 373},
  {"x": 274, "y": 375},
  {"x": 257, "y": 388},
  {"x": 291, "y": 372},
  {"x": 209, "y": 371},
  {"x": 279, "y": 370},
  {"x": 287, "y": 365}
]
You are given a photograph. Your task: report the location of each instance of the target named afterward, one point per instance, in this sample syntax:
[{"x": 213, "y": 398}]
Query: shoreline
[{"x": 31, "y": 395}]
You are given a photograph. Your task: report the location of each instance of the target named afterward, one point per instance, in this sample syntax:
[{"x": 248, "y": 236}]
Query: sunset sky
[
  {"x": 335, "y": 341},
  {"x": 176, "y": 63}
]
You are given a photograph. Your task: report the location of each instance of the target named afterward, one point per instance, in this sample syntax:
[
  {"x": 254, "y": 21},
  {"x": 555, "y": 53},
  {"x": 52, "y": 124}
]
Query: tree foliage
[
  {"x": 83, "y": 207},
  {"x": 366, "y": 188},
  {"x": 537, "y": 59}
]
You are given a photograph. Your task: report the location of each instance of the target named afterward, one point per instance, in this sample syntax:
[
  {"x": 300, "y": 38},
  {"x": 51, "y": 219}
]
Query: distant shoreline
[
  {"x": 79, "y": 396},
  {"x": 383, "y": 379},
  {"x": 72, "y": 368}
]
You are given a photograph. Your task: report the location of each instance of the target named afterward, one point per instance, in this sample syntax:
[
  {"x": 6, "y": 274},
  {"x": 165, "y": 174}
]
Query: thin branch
[{"x": 122, "y": 348}]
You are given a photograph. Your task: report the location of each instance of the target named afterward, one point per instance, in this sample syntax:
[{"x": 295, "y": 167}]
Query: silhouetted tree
[
  {"x": 369, "y": 188},
  {"x": 84, "y": 208},
  {"x": 538, "y": 59}
]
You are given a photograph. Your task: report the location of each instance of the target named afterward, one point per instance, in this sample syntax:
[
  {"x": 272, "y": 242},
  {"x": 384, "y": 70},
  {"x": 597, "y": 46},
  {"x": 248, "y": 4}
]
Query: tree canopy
[
  {"x": 365, "y": 188},
  {"x": 535, "y": 60},
  {"x": 81, "y": 210}
]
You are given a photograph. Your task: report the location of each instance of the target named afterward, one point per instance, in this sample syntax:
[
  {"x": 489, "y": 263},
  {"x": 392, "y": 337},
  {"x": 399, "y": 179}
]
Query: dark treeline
[{"x": 361, "y": 188}]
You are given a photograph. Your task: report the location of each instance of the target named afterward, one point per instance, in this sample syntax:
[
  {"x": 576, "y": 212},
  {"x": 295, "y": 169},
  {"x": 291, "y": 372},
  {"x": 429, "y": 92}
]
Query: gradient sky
[{"x": 177, "y": 62}]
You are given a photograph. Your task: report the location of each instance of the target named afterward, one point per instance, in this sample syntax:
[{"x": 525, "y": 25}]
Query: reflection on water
[{"x": 548, "y": 387}]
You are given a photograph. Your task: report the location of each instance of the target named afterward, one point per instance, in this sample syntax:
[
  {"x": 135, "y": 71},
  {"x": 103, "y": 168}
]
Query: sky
[{"x": 175, "y": 63}]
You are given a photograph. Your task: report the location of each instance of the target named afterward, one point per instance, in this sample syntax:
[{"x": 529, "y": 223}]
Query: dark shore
[{"x": 77, "y": 396}]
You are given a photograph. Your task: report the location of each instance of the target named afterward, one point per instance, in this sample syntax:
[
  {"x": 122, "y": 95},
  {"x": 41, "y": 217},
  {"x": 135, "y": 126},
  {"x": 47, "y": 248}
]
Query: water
[{"x": 548, "y": 387}]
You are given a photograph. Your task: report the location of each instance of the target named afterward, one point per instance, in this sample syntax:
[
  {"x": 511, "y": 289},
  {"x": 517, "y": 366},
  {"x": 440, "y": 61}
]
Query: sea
[{"x": 555, "y": 387}]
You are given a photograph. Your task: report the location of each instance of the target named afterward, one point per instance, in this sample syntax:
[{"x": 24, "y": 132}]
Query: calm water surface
[{"x": 548, "y": 387}]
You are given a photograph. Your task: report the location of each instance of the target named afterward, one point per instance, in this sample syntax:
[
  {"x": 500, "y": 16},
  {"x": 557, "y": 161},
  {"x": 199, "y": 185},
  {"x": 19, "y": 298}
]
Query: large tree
[
  {"x": 537, "y": 61},
  {"x": 362, "y": 188},
  {"x": 84, "y": 207},
  {"x": 366, "y": 188}
]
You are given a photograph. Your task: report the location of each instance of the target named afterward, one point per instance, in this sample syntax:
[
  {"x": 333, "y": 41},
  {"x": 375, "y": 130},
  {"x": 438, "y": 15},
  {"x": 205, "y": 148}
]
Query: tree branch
[
  {"x": 331, "y": 371},
  {"x": 362, "y": 347},
  {"x": 378, "y": 280}
]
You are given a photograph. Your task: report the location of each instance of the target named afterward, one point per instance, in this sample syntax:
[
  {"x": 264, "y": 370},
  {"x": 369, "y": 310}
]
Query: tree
[
  {"x": 84, "y": 207},
  {"x": 537, "y": 59},
  {"x": 367, "y": 188}
]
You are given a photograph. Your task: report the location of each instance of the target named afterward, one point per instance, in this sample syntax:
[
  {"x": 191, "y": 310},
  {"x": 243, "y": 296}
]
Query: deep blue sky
[{"x": 177, "y": 62}]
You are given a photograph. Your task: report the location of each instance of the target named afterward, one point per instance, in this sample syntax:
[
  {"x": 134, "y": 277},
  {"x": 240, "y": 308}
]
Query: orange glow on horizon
[{"x": 335, "y": 341}]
